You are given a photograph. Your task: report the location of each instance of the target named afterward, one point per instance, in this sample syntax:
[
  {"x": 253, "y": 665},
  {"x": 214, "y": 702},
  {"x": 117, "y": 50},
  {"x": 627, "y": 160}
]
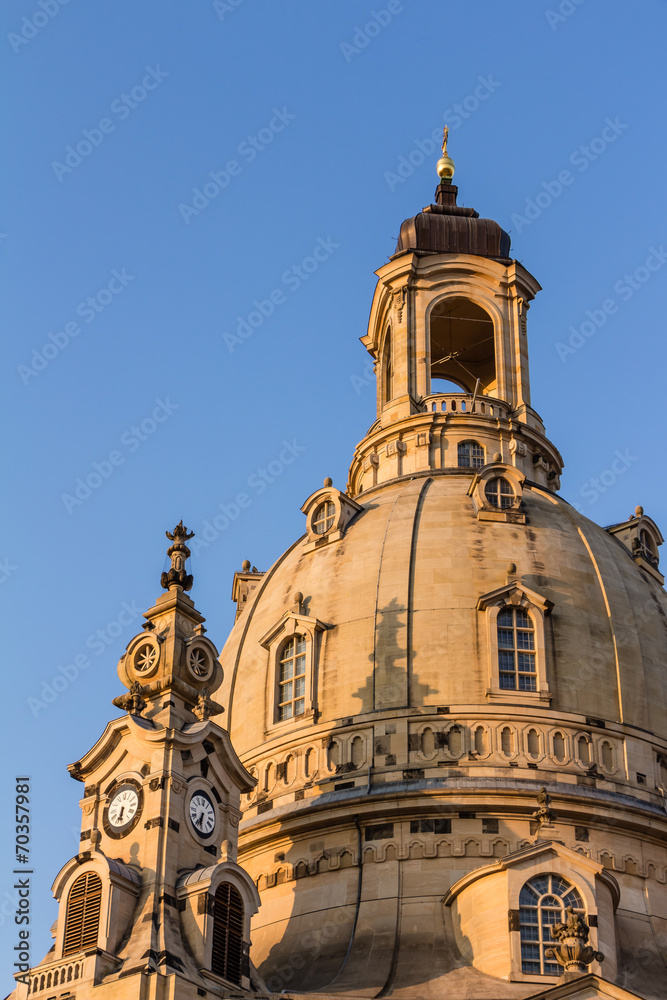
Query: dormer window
[
  {"x": 497, "y": 489},
  {"x": 292, "y": 683},
  {"x": 470, "y": 455},
  {"x": 641, "y": 537},
  {"x": 328, "y": 512},
  {"x": 499, "y": 493},
  {"x": 324, "y": 517}
]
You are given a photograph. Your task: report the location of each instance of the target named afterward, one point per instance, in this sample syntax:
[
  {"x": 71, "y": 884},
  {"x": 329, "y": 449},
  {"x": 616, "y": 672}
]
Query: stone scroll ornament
[
  {"x": 179, "y": 553},
  {"x": 573, "y": 953}
]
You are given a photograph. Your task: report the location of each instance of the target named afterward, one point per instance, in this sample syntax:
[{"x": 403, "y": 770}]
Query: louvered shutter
[
  {"x": 82, "y": 920},
  {"x": 227, "y": 955}
]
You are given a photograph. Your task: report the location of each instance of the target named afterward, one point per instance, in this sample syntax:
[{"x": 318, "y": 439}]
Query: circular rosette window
[
  {"x": 145, "y": 658},
  {"x": 200, "y": 661}
]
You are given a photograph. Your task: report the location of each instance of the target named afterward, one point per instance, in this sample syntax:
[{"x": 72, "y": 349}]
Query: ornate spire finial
[
  {"x": 445, "y": 165},
  {"x": 445, "y": 136},
  {"x": 177, "y": 578}
]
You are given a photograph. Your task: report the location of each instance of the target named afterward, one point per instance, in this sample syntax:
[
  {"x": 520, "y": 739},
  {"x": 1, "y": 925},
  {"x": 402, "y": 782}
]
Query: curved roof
[{"x": 400, "y": 596}]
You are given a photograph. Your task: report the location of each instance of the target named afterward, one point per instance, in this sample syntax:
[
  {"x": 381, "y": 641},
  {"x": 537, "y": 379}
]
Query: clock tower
[{"x": 155, "y": 904}]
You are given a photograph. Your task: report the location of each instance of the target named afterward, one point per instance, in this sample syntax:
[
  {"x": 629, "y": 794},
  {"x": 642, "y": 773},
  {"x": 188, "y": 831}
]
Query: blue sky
[{"x": 125, "y": 292}]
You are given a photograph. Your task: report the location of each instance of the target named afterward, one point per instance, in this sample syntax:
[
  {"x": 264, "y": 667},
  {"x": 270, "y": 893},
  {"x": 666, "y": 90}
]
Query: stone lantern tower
[{"x": 451, "y": 690}]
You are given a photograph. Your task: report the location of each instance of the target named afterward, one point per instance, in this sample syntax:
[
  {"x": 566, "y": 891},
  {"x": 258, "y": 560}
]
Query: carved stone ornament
[
  {"x": 179, "y": 553},
  {"x": 205, "y": 707},
  {"x": 572, "y": 952},
  {"x": 131, "y": 702},
  {"x": 544, "y": 814}
]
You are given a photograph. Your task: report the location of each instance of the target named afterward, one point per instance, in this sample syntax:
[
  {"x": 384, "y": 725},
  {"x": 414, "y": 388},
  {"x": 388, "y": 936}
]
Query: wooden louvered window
[
  {"x": 227, "y": 955},
  {"x": 82, "y": 920}
]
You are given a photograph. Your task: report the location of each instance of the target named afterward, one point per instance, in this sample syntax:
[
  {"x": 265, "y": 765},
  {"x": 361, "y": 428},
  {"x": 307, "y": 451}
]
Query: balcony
[{"x": 461, "y": 404}]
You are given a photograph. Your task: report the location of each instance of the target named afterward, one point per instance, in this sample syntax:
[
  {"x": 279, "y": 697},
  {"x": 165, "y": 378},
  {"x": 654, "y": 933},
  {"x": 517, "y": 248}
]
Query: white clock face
[
  {"x": 202, "y": 814},
  {"x": 123, "y": 807}
]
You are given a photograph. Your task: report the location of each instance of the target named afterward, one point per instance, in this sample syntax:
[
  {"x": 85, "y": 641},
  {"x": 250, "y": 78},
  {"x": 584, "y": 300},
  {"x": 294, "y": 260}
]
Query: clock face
[
  {"x": 123, "y": 807},
  {"x": 202, "y": 814}
]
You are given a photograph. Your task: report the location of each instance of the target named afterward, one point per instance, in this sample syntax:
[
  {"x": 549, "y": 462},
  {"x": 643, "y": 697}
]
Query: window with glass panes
[
  {"x": 292, "y": 684},
  {"x": 324, "y": 517},
  {"x": 470, "y": 455},
  {"x": 516, "y": 650},
  {"x": 499, "y": 493},
  {"x": 542, "y": 904}
]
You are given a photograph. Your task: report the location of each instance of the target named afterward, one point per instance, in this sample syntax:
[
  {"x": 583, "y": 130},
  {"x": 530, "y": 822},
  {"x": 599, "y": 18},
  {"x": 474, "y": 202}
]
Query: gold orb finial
[{"x": 445, "y": 165}]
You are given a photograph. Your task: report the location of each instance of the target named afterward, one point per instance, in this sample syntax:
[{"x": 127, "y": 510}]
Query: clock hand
[{"x": 120, "y": 814}]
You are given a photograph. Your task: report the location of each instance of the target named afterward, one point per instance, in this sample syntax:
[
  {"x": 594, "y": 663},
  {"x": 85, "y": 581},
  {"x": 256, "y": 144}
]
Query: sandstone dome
[
  {"x": 451, "y": 689},
  {"x": 398, "y": 596}
]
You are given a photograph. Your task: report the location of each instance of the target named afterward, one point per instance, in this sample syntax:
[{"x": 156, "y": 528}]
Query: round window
[
  {"x": 324, "y": 517},
  {"x": 499, "y": 493},
  {"x": 145, "y": 658}
]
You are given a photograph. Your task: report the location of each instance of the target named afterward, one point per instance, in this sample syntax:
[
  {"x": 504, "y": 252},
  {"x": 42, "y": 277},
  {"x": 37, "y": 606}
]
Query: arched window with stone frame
[
  {"x": 516, "y": 644},
  {"x": 542, "y": 904}
]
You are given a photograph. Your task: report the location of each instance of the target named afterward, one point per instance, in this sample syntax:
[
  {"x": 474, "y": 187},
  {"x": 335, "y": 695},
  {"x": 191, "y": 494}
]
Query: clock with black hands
[{"x": 202, "y": 815}]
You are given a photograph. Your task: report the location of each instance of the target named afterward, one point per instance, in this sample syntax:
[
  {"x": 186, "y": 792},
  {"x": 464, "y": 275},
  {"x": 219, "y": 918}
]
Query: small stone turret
[{"x": 171, "y": 668}]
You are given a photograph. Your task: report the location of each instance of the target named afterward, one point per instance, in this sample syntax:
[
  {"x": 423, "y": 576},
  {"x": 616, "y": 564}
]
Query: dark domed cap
[{"x": 447, "y": 228}]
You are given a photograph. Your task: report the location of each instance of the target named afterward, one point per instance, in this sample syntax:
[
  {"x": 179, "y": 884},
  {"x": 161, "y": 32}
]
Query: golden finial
[{"x": 445, "y": 165}]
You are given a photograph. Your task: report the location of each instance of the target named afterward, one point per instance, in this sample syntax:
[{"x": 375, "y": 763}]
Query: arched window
[
  {"x": 292, "y": 683},
  {"x": 542, "y": 904},
  {"x": 516, "y": 650},
  {"x": 647, "y": 549},
  {"x": 499, "y": 493},
  {"x": 470, "y": 455},
  {"x": 387, "y": 373},
  {"x": 227, "y": 953},
  {"x": 82, "y": 919},
  {"x": 324, "y": 517}
]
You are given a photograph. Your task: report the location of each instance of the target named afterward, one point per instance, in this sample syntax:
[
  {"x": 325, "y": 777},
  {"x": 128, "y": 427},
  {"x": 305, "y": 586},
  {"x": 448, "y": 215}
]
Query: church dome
[
  {"x": 402, "y": 599},
  {"x": 451, "y": 688},
  {"x": 445, "y": 227}
]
